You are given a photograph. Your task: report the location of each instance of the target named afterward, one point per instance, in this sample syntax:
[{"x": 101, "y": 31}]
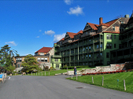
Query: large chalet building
[{"x": 96, "y": 45}]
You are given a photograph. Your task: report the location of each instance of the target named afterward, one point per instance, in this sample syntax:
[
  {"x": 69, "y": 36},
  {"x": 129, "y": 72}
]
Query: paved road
[{"x": 55, "y": 87}]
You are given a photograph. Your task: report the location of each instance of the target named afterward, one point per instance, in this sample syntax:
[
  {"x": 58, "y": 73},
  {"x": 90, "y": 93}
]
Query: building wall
[
  {"x": 21, "y": 59},
  {"x": 56, "y": 62},
  {"x": 112, "y": 41},
  {"x": 78, "y": 52}
]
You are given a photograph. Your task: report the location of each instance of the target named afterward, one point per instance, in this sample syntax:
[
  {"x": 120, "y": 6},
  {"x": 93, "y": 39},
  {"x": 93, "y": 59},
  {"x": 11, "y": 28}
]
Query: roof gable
[
  {"x": 44, "y": 50},
  {"x": 70, "y": 34},
  {"x": 91, "y": 26},
  {"x": 80, "y": 32},
  {"x": 111, "y": 22}
]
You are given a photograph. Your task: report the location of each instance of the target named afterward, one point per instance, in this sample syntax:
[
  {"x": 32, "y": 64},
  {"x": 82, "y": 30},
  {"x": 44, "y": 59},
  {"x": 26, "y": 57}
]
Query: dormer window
[
  {"x": 113, "y": 28},
  {"x": 121, "y": 22}
]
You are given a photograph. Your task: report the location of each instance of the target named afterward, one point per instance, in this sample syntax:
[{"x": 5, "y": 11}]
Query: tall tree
[
  {"x": 7, "y": 57},
  {"x": 30, "y": 64}
]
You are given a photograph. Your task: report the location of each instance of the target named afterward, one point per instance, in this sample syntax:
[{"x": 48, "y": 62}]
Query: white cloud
[
  {"x": 58, "y": 37},
  {"x": 49, "y": 32},
  {"x": 77, "y": 10},
  {"x": 68, "y": 2},
  {"x": 11, "y": 43},
  {"x": 38, "y": 37},
  {"x": 40, "y": 30}
]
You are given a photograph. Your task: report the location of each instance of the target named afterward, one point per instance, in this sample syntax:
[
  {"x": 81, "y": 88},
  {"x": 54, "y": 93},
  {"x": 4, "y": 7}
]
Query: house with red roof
[
  {"x": 91, "y": 46},
  {"x": 43, "y": 56},
  {"x": 43, "y": 51}
]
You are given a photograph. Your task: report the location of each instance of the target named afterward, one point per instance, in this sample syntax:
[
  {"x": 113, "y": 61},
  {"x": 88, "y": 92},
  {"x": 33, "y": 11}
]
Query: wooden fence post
[
  {"x": 102, "y": 80},
  {"x": 92, "y": 80},
  {"x": 124, "y": 85},
  {"x": 76, "y": 77}
]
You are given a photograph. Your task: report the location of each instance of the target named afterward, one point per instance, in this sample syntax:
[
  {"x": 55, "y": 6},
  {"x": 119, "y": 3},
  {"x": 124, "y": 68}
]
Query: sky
[{"x": 28, "y": 25}]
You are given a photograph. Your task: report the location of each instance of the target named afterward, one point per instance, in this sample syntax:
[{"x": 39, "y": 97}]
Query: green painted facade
[
  {"x": 114, "y": 41},
  {"x": 56, "y": 59}
]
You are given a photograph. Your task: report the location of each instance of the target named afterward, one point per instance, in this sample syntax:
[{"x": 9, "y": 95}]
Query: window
[
  {"x": 18, "y": 65},
  {"x": 86, "y": 56},
  {"x": 72, "y": 51},
  {"x": 89, "y": 56},
  {"x": 86, "y": 63},
  {"x": 122, "y": 22},
  {"x": 41, "y": 53},
  {"x": 113, "y": 28},
  {"x": 101, "y": 54},
  {"x": 107, "y": 55},
  {"x": 19, "y": 60},
  {"x": 46, "y": 59},
  {"x": 101, "y": 45},
  {"x": 114, "y": 36},
  {"x": 89, "y": 47},
  {"x": 86, "y": 48},
  {"x": 90, "y": 40},
  {"x": 97, "y": 46},
  {"x": 109, "y": 46},
  {"x": 57, "y": 65},
  {"x": 83, "y": 49},
  {"x": 38, "y": 59},
  {"x": 109, "y": 36},
  {"x": 114, "y": 45},
  {"x": 56, "y": 60},
  {"x": 42, "y": 59}
]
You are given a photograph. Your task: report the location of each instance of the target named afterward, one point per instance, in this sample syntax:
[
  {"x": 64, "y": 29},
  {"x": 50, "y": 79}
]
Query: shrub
[{"x": 46, "y": 68}]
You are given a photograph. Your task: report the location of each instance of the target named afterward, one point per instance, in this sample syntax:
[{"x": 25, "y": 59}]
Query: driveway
[{"x": 55, "y": 87}]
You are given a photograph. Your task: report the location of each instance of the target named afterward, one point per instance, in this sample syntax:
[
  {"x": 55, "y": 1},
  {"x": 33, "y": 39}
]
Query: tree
[
  {"x": 30, "y": 64},
  {"x": 7, "y": 57}
]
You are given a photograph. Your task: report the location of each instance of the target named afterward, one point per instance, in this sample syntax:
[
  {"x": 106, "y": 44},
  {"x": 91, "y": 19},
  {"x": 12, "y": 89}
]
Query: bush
[
  {"x": 46, "y": 68},
  {"x": 51, "y": 68}
]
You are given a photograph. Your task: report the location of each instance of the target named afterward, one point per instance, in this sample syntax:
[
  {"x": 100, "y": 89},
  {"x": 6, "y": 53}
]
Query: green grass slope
[{"x": 113, "y": 81}]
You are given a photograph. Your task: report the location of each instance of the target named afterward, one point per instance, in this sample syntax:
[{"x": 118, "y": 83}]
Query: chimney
[{"x": 100, "y": 20}]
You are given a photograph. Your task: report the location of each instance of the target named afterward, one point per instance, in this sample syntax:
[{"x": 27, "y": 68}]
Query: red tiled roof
[
  {"x": 71, "y": 34},
  {"x": 94, "y": 26},
  {"x": 80, "y": 32},
  {"x": 62, "y": 39},
  {"x": 111, "y": 22},
  {"x": 44, "y": 50},
  {"x": 104, "y": 24}
]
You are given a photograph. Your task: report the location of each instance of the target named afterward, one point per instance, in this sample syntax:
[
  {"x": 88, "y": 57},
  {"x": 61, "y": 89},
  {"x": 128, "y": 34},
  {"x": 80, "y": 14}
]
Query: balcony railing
[{"x": 67, "y": 41}]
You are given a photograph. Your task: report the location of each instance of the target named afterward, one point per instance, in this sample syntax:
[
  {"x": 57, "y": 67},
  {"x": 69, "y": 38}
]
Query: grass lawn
[
  {"x": 113, "y": 81},
  {"x": 48, "y": 73},
  {"x": 53, "y": 72}
]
